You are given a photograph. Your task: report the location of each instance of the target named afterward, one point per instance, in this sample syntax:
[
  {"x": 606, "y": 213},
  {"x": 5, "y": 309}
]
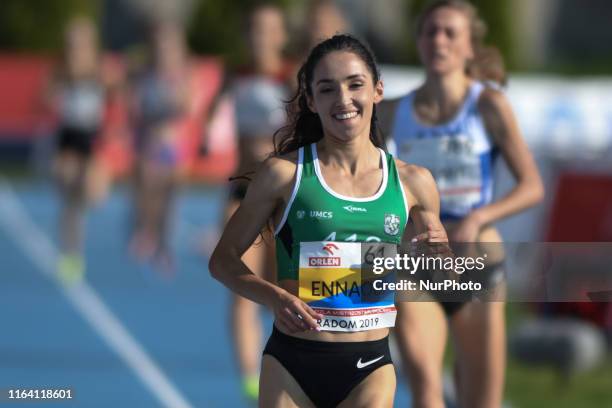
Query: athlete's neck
[
  {"x": 353, "y": 157},
  {"x": 444, "y": 94}
]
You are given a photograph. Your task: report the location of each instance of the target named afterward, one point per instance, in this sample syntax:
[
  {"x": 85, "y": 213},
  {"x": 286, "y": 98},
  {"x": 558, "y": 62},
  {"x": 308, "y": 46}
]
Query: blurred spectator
[{"x": 160, "y": 99}]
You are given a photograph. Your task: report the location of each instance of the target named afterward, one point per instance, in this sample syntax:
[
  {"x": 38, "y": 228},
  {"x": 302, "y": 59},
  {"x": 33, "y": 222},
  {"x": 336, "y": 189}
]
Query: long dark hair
[
  {"x": 488, "y": 63},
  {"x": 304, "y": 126}
]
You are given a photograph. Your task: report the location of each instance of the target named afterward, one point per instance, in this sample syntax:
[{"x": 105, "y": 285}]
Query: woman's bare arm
[
  {"x": 502, "y": 126},
  {"x": 265, "y": 197},
  {"x": 424, "y": 200}
]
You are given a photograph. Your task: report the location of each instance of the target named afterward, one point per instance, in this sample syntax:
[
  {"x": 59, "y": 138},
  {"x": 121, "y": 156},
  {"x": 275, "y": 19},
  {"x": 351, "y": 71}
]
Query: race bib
[{"x": 335, "y": 281}]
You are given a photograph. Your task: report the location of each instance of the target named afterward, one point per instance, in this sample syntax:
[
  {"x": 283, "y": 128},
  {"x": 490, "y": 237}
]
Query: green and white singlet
[{"x": 319, "y": 243}]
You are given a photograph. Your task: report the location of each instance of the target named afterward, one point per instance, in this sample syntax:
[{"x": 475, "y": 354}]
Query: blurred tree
[
  {"x": 580, "y": 38},
  {"x": 498, "y": 17},
  {"x": 217, "y": 27},
  {"x": 33, "y": 25}
]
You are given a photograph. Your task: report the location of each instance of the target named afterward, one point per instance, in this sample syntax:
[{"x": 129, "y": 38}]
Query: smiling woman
[
  {"x": 305, "y": 126},
  {"x": 343, "y": 99},
  {"x": 328, "y": 188}
]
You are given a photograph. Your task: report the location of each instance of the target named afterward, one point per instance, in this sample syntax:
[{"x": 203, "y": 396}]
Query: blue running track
[{"x": 129, "y": 336}]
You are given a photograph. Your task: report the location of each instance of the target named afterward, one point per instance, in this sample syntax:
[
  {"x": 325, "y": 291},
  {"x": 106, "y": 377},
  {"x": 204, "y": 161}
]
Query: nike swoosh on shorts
[{"x": 367, "y": 363}]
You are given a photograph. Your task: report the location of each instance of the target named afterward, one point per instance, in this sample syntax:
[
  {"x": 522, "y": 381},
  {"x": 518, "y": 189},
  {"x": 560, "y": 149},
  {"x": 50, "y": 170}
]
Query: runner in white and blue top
[
  {"x": 453, "y": 124},
  {"x": 459, "y": 153}
]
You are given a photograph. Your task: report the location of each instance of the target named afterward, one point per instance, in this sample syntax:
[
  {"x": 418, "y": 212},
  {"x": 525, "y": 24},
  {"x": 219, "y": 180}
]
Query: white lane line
[{"x": 41, "y": 251}]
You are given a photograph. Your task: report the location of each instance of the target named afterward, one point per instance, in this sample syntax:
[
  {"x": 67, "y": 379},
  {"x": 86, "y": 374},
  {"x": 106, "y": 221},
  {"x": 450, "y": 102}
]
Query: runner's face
[
  {"x": 343, "y": 95},
  {"x": 444, "y": 41}
]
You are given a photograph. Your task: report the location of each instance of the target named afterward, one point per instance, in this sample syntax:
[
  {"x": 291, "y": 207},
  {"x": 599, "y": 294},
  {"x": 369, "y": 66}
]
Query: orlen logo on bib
[{"x": 325, "y": 260}]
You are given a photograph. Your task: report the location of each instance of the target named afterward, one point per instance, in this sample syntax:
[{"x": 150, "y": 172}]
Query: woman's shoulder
[
  {"x": 279, "y": 168},
  {"x": 410, "y": 171},
  {"x": 418, "y": 182},
  {"x": 275, "y": 176},
  {"x": 495, "y": 110},
  {"x": 413, "y": 176},
  {"x": 492, "y": 98},
  {"x": 286, "y": 159}
]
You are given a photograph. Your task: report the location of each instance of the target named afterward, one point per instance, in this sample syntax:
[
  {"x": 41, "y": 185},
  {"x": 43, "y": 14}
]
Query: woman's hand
[
  {"x": 293, "y": 315},
  {"x": 435, "y": 240},
  {"x": 433, "y": 234}
]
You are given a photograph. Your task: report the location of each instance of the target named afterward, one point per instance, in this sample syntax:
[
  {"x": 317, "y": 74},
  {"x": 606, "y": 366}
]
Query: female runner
[
  {"x": 160, "y": 100},
  {"x": 258, "y": 91},
  {"x": 328, "y": 188},
  {"x": 455, "y": 124},
  {"x": 78, "y": 95}
]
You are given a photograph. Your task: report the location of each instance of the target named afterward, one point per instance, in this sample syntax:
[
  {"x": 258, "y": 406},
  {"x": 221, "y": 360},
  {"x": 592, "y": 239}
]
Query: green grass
[
  {"x": 528, "y": 387},
  {"x": 543, "y": 387}
]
